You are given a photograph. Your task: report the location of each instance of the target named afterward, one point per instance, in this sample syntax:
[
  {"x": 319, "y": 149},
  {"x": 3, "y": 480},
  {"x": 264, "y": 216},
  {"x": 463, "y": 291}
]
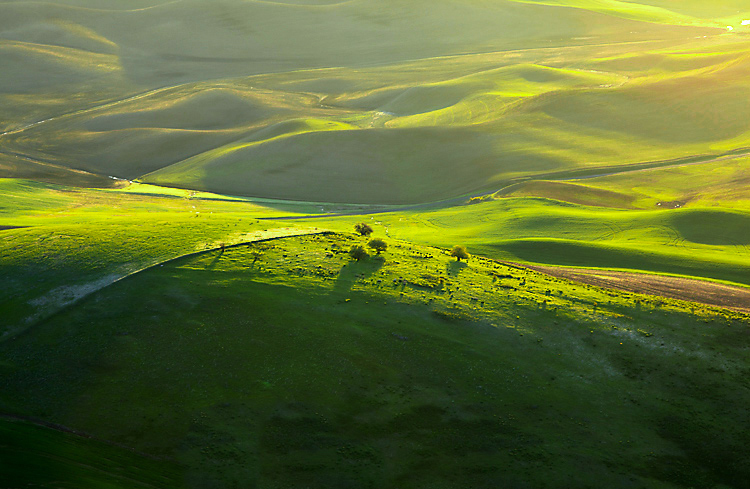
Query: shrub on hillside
[
  {"x": 460, "y": 253},
  {"x": 358, "y": 252},
  {"x": 363, "y": 229},
  {"x": 378, "y": 245}
]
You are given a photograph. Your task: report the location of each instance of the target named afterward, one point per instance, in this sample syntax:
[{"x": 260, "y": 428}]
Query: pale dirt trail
[{"x": 55, "y": 300}]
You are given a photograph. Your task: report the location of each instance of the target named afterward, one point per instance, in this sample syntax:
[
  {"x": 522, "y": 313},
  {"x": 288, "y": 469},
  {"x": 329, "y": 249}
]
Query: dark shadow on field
[
  {"x": 215, "y": 260},
  {"x": 354, "y": 270},
  {"x": 455, "y": 267},
  {"x": 713, "y": 227}
]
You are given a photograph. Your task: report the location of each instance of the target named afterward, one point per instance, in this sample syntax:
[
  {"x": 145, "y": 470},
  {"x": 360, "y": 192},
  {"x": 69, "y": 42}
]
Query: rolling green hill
[
  {"x": 451, "y": 133},
  {"x": 179, "y": 182},
  {"x": 222, "y": 99},
  {"x": 288, "y": 364}
]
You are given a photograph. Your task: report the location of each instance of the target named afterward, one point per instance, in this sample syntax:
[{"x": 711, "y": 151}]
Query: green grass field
[
  {"x": 179, "y": 185},
  {"x": 287, "y": 364},
  {"x": 290, "y": 365}
]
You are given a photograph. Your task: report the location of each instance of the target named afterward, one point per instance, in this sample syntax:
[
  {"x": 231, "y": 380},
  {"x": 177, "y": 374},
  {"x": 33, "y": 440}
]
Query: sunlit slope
[
  {"x": 691, "y": 12},
  {"x": 427, "y": 142},
  {"x": 723, "y": 184},
  {"x": 287, "y": 364},
  {"x": 698, "y": 242}
]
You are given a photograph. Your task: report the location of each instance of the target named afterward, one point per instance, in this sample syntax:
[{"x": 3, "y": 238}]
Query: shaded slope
[
  {"x": 363, "y": 166},
  {"x": 291, "y": 365},
  {"x": 47, "y": 456}
]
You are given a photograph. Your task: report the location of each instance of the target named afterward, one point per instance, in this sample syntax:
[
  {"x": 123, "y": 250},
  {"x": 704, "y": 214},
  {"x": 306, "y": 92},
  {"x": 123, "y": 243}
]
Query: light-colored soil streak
[
  {"x": 692, "y": 290},
  {"x": 64, "y": 296}
]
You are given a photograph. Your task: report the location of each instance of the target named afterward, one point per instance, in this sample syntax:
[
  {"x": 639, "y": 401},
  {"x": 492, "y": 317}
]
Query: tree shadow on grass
[
  {"x": 355, "y": 270},
  {"x": 455, "y": 267},
  {"x": 216, "y": 259}
]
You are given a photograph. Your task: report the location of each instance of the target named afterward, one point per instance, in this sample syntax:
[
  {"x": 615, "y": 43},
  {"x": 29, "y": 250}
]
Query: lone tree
[
  {"x": 378, "y": 245},
  {"x": 460, "y": 253},
  {"x": 363, "y": 229},
  {"x": 358, "y": 252}
]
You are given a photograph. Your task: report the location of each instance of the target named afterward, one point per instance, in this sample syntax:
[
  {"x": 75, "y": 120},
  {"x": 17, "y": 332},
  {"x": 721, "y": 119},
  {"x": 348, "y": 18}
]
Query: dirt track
[{"x": 736, "y": 298}]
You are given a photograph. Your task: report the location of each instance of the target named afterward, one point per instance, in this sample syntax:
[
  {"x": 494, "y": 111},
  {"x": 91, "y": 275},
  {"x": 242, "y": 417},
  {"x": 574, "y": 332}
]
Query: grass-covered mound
[{"x": 288, "y": 364}]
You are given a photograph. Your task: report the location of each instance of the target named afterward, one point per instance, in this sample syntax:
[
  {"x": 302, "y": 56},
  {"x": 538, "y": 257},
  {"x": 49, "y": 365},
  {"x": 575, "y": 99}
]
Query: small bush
[
  {"x": 358, "y": 252},
  {"x": 460, "y": 253},
  {"x": 378, "y": 245},
  {"x": 363, "y": 229}
]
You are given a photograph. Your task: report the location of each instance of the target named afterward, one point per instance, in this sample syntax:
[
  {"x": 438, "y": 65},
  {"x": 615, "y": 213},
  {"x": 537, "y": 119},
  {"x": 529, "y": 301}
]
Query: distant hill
[{"x": 305, "y": 100}]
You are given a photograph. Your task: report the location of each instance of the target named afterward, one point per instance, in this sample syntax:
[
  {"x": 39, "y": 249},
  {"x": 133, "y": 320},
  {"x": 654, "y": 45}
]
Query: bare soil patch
[{"x": 727, "y": 296}]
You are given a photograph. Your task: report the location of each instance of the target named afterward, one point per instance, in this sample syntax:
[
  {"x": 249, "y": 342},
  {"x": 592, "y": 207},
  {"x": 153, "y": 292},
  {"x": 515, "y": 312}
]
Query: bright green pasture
[
  {"x": 286, "y": 364},
  {"x": 724, "y": 184},
  {"x": 701, "y": 242},
  {"x": 691, "y": 12}
]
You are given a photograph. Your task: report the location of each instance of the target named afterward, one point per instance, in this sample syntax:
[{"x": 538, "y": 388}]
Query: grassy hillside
[
  {"x": 287, "y": 364},
  {"x": 700, "y": 242},
  {"x": 179, "y": 182},
  {"x": 458, "y": 98}
]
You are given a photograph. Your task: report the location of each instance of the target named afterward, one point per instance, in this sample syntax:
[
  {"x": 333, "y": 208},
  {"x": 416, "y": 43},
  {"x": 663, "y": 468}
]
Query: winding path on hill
[{"x": 686, "y": 289}]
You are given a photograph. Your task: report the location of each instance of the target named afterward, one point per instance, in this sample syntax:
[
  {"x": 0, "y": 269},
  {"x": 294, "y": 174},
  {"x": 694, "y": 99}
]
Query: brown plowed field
[{"x": 736, "y": 298}]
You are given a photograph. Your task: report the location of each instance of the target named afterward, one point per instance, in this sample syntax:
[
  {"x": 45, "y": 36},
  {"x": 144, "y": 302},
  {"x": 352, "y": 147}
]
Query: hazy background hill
[{"x": 422, "y": 100}]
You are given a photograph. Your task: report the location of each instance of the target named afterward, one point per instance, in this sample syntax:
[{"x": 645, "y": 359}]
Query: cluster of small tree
[{"x": 359, "y": 252}]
